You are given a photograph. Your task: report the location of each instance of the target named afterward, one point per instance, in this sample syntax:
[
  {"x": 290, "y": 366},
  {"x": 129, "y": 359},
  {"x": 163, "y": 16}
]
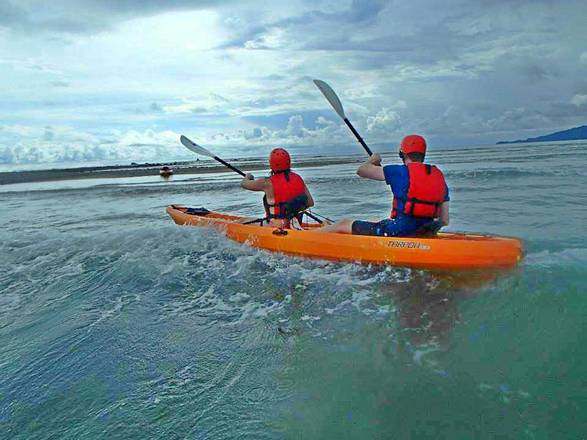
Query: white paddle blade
[
  {"x": 192, "y": 146},
  {"x": 331, "y": 97}
]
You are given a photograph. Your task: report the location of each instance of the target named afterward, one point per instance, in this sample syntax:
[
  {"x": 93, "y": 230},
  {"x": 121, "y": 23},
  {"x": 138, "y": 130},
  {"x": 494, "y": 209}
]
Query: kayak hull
[{"x": 445, "y": 251}]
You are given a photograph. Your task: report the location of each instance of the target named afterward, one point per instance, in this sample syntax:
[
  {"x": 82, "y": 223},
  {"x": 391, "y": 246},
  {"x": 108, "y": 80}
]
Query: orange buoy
[{"x": 165, "y": 171}]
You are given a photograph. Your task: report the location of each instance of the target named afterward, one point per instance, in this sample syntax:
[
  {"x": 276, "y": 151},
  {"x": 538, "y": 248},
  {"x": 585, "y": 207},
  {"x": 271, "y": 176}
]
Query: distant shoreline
[
  {"x": 134, "y": 170},
  {"x": 572, "y": 134}
]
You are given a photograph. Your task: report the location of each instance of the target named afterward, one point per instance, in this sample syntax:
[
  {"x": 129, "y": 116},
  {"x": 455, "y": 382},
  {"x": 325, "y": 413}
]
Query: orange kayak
[{"x": 444, "y": 251}]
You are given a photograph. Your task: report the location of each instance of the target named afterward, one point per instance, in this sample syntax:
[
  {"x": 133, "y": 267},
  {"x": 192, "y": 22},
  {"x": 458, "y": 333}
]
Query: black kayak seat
[
  {"x": 429, "y": 229},
  {"x": 197, "y": 211}
]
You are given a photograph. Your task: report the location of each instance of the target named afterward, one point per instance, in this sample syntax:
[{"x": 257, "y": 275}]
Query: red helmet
[
  {"x": 413, "y": 143},
  {"x": 279, "y": 160}
]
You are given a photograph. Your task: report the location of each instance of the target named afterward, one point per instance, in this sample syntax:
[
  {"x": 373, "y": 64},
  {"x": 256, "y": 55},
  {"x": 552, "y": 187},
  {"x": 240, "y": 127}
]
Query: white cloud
[
  {"x": 272, "y": 39},
  {"x": 295, "y": 133},
  {"x": 519, "y": 118},
  {"x": 210, "y": 104},
  {"x": 579, "y": 100},
  {"x": 384, "y": 122},
  {"x": 21, "y": 144},
  {"x": 295, "y": 127},
  {"x": 13, "y": 131},
  {"x": 148, "y": 137}
]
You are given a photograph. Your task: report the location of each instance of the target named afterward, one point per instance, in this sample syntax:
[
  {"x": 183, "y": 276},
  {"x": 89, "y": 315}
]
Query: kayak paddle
[
  {"x": 336, "y": 104},
  {"x": 192, "y": 146},
  {"x": 198, "y": 149}
]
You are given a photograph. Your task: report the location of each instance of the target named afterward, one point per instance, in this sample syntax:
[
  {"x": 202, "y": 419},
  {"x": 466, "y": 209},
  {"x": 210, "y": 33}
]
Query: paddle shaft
[
  {"x": 313, "y": 217},
  {"x": 358, "y": 136},
  {"x": 226, "y": 164}
]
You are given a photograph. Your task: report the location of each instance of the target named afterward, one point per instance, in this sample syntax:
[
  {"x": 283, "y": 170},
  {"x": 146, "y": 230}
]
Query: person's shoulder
[
  {"x": 394, "y": 166},
  {"x": 438, "y": 168},
  {"x": 394, "y": 172},
  {"x": 297, "y": 175},
  {"x": 267, "y": 184},
  {"x": 394, "y": 169}
]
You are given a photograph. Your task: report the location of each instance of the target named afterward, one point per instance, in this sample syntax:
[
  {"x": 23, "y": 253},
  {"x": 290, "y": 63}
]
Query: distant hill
[{"x": 572, "y": 134}]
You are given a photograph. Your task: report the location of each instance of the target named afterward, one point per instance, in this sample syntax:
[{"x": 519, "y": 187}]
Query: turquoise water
[{"x": 116, "y": 323}]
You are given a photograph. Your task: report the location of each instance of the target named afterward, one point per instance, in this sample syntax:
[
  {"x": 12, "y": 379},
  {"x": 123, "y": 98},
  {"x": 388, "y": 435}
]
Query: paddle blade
[
  {"x": 192, "y": 146},
  {"x": 331, "y": 97}
]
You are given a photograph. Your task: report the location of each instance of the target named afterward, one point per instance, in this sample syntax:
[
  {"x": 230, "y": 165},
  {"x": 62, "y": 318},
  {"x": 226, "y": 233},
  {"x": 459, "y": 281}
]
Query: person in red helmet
[
  {"x": 420, "y": 194},
  {"x": 286, "y": 194}
]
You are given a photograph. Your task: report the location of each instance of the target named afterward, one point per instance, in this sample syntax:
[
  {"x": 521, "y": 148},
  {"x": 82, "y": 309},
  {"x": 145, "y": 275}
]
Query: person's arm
[
  {"x": 372, "y": 169},
  {"x": 249, "y": 182},
  {"x": 310, "y": 198},
  {"x": 444, "y": 217}
]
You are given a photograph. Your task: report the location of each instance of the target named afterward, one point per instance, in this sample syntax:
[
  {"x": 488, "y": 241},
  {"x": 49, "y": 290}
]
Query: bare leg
[{"x": 344, "y": 226}]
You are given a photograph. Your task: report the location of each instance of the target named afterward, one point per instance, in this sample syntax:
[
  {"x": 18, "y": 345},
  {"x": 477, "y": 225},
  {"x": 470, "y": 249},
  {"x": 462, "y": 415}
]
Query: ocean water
[{"x": 116, "y": 323}]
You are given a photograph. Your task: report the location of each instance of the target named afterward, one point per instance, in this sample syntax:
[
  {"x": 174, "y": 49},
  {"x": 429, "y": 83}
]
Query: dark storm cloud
[
  {"x": 359, "y": 12},
  {"x": 13, "y": 16},
  {"x": 421, "y": 32}
]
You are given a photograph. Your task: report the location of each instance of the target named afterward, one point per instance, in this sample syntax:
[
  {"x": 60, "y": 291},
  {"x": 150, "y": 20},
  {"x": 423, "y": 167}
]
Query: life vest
[
  {"x": 426, "y": 192},
  {"x": 289, "y": 192}
]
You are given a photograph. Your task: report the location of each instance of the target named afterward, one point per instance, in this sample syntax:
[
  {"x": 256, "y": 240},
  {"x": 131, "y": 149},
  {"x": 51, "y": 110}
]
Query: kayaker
[
  {"x": 286, "y": 194},
  {"x": 420, "y": 194}
]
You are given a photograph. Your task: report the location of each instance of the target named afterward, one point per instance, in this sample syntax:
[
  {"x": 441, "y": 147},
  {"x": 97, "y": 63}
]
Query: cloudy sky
[{"x": 119, "y": 80}]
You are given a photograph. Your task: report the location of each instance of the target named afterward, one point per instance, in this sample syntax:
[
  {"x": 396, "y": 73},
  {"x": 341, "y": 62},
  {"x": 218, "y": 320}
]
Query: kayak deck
[{"x": 444, "y": 251}]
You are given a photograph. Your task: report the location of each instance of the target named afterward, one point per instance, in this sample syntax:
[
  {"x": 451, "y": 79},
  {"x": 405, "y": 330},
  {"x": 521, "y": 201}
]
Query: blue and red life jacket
[
  {"x": 289, "y": 192},
  {"x": 426, "y": 192}
]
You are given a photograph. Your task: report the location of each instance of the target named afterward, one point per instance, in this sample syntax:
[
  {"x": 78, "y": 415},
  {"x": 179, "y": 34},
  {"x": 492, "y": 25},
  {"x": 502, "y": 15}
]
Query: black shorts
[
  {"x": 361, "y": 227},
  {"x": 390, "y": 227}
]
